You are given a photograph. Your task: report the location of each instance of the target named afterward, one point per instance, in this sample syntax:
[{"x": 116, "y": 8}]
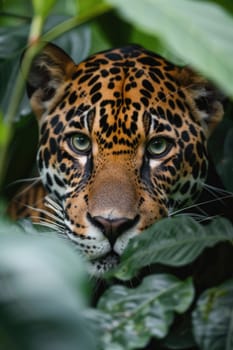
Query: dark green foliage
[
  {"x": 43, "y": 292},
  {"x": 212, "y": 319},
  {"x": 175, "y": 242}
]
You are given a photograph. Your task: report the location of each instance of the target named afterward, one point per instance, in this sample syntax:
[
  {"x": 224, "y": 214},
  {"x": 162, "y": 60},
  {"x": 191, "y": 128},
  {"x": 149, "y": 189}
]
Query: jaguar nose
[{"x": 113, "y": 228}]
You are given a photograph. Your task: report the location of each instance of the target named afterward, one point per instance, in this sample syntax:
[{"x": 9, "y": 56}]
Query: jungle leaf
[
  {"x": 76, "y": 43},
  {"x": 200, "y": 33},
  {"x": 172, "y": 241},
  {"x": 133, "y": 316},
  {"x": 43, "y": 291},
  {"x": 213, "y": 318}
]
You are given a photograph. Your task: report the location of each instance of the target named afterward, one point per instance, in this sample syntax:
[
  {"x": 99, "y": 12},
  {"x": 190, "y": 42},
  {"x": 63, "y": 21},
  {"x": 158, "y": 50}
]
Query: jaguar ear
[
  {"x": 51, "y": 68},
  {"x": 204, "y": 98}
]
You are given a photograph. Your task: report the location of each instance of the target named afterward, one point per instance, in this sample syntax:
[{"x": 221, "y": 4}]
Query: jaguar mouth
[
  {"x": 101, "y": 265},
  {"x": 97, "y": 265}
]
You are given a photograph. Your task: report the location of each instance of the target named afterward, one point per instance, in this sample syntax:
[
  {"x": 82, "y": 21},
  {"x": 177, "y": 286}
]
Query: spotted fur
[{"x": 125, "y": 101}]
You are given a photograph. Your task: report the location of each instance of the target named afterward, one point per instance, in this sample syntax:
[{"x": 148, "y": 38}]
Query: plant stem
[
  {"x": 36, "y": 41},
  {"x": 36, "y": 29},
  {"x": 34, "y": 35}
]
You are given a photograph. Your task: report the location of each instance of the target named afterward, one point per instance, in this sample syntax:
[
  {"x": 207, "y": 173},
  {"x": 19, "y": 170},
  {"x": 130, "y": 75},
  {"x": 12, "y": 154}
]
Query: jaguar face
[{"x": 122, "y": 143}]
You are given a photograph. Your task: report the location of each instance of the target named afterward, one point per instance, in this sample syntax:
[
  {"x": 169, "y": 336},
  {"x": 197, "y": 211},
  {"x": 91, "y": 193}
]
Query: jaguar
[{"x": 122, "y": 143}]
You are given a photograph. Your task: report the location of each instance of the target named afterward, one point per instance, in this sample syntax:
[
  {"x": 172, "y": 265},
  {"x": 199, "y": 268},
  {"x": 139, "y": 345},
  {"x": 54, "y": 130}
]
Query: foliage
[
  {"x": 175, "y": 241},
  {"x": 134, "y": 315},
  {"x": 45, "y": 295},
  {"x": 41, "y": 298},
  {"x": 171, "y": 20},
  {"x": 212, "y": 318}
]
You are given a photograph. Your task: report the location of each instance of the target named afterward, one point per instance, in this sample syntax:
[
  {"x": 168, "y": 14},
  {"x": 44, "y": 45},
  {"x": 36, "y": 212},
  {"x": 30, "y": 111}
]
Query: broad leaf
[
  {"x": 172, "y": 241},
  {"x": 213, "y": 318},
  {"x": 133, "y": 316},
  {"x": 200, "y": 33},
  {"x": 76, "y": 42},
  {"x": 99, "y": 39},
  {"x": 43, "y": 292}
]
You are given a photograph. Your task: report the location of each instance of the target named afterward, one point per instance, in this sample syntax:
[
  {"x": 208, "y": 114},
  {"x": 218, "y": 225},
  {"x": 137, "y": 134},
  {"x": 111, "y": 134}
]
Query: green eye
[
  {"x": 80, "y": 143},
  {"x": 158, "y": 146}
]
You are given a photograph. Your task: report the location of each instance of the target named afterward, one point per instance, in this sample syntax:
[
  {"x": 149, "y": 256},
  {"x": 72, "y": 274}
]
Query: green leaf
[
  {"x": 200, "y": 33},
  {"x": 213, "y": 318},
  {"x": 151, "y": 42},
  {"x": 43, "y": 293},
  {"x": 172, "y": 241},
  {"x": 99, "y": 40},
  {"x": 76, "y": 43},
  {"x": 68, "y": 7},
  {"x": 14, "y": 13},
  {"x": 136, "y": 315},
  {"x": 225, "y": 3},
  {"x": 9, "y": 60}
]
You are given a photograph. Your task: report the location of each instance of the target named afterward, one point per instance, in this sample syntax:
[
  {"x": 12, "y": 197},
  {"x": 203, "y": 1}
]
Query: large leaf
[
  {"x": 43, "y": 292},
  {"x": 172, "y": 241},
  {"x": 200, "y": 33},
  {"x": 130, "y": 317},
  {"x": 213, "y": 318}
]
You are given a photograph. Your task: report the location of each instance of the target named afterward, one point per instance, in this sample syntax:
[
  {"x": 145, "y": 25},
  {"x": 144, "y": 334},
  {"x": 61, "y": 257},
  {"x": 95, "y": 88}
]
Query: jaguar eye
[
  {"x": 80, "y": 143},
  {"x": 159, "y": 146}
]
